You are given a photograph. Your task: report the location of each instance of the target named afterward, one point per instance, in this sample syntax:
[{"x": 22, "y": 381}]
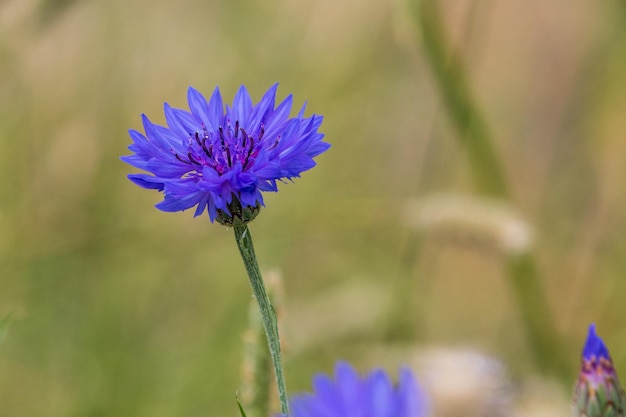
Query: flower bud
[{"x": 598, "y": 392}]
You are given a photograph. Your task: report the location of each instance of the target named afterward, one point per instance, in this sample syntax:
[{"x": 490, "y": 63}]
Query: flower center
[{"x": 222, "y": 149}]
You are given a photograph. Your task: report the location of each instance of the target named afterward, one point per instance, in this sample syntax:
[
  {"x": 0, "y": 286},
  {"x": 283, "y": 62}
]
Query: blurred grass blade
[
  {"x": 51, "y": 10},
  {"x": 4, "y": 327},
  {"x": 545, "y": 341},
  {"x": 455, "y": 93}
]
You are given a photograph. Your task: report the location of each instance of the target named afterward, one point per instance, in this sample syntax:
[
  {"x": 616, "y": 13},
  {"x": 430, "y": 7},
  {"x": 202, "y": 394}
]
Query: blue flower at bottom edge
[
  {"x": 221, "y": 160},
  {"x": 598, "y": 392},
  {"x": 354, "y": 395}
]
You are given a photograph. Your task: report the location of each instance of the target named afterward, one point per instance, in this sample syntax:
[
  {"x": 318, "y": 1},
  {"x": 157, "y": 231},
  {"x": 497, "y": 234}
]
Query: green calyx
[
  {"x": 238, "y": 215},
  {"x": 604, "y": 400}
]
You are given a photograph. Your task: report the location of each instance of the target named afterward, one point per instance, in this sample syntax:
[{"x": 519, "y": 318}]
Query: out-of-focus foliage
[{"x": 120, "y": 309}]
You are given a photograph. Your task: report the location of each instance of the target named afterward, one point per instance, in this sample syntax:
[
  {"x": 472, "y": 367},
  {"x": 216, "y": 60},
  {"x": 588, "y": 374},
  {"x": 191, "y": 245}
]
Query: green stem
[
  {"x": 485, "y": 166},
  {"x": 268, "y": 315}
]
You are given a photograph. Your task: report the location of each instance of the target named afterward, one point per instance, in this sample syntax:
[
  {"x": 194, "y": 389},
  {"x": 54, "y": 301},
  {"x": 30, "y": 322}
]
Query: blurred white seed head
[
  {"x": 543, "y": 398},
  {"x": 481, "y": 222},
  {"x": 346, "y": 309},
  {"x": 465, "y": 383}
]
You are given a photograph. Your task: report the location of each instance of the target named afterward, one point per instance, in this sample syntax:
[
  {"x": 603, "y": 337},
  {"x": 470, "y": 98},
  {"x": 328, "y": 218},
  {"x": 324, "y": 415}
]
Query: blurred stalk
[
  {"x": 256, "y": 368},
  {"x": 546, "y": 342},
  {"x": 451, "y": 80},
  {"x": 4, "y": 327},
  {"x": 257, "y": 395},
  {"x": 454, "y": 90},
  {"x": 268, "y": 315}
]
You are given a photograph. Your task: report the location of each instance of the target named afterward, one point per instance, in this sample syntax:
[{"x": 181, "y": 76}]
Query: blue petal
[
  {"x": 301, "y": 112},
  {"x": 301, "y": 407},
  {"x": 268, "y": 186},
  {"x": 136, "y": 161},
  {"x": 264, "y": 168},
  {"x": 142, "y": 147},
  {"x": 216, "y": 110},
  {"x": 172, "y": 168},
  {"x": 251, "y": 198},
  {"x": 292, "y": 144},
  {"x": 189, "y": 123},
  {"x": 317, "y": 149},
  {"x": 220, "y": 203},
  {"x": 171, "y": 204},
  {"x": 296, "y": 166},
  {"x": 173, "y": 140},
  {"x": 202, "y": 205},
  {"x": 353, "y": 395},
  {"x": 275, "y": 120},
  {"x": 153, "y": 134},
  {"x": 413, "y": 400},
  {"x": 212, "y": 210},
  {"x": 141, "y": 143},
  {"x": 594, "y": 346},
  {"x": 348, "y": 379},
  {"x": 261, "y": 110},
  {"x": 245, "y": 180},
  {"x": 180, "y": 187},
  {"x": 327, "y": 394},
  {"x": 146, "y": 181},
  {"x": 242, "y": 105},
  {"x": 380, "y": 396},
  {"x": 199, "y": 107},
  {"x": 174, "y": 123}
]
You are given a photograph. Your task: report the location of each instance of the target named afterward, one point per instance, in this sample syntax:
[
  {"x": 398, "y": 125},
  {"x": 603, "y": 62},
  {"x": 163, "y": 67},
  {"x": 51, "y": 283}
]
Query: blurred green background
[{"x": 119, "y": 309}]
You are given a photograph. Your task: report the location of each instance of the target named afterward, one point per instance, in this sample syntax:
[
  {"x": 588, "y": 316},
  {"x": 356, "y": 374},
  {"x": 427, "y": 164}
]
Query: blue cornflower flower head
[
  {"x": 354, "y": 395},
  {"x": 222, "y": 159},
  {"x": 598, "y": 392}
]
